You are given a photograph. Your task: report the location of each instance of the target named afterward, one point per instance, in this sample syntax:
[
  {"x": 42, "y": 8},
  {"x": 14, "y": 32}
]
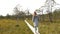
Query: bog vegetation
[{"x": 14, "y": 24}]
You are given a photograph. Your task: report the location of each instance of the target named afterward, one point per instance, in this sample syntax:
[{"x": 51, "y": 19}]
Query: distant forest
[{"x": 22, "y": 15}]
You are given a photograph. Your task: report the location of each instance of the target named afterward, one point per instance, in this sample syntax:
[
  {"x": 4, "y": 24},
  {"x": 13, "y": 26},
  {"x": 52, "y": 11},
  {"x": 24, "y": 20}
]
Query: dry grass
[
  {"x": 8, "y": 26},
  {"x": 48, "y": 27}
]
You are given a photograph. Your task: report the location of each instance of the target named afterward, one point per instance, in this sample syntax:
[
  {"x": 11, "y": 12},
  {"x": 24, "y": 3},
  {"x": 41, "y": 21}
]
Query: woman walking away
[{"x": 35, "y": 19}]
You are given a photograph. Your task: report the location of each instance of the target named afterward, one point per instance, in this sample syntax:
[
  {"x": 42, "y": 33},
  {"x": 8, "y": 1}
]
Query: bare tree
[{"x": 18, "y": 13}]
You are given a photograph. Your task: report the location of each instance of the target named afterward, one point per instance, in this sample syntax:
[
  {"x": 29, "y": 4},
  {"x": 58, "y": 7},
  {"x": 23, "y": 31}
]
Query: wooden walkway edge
[{"x": 32, "y": 29}]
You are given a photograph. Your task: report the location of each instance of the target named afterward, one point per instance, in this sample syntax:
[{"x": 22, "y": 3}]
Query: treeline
[
  {"x": 15, "y": 16},
  {"x": 53, "y": 16},
  {"x": 20, "y": 14}
]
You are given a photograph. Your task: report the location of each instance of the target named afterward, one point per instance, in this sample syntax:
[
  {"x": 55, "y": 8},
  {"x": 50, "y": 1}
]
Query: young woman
[{"x": 35, "y": 19}]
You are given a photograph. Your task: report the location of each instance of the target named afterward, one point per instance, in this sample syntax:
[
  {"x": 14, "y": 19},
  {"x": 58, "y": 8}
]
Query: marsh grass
[
  {"x": 48, "y": 27},
  {"x": 8, "y": 26}
]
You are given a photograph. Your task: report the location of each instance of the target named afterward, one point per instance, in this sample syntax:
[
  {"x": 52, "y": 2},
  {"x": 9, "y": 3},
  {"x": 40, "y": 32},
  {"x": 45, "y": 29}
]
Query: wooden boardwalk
[{"x": 32, "y": 28}]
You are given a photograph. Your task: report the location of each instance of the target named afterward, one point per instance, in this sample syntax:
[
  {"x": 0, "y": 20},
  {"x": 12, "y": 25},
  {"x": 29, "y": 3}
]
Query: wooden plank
[{"x": 32, "y": 29}]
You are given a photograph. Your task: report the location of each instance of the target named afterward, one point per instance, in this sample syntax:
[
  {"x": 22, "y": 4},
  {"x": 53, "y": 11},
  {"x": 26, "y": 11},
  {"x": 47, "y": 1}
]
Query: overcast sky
[{"x": 6, "y": 6}]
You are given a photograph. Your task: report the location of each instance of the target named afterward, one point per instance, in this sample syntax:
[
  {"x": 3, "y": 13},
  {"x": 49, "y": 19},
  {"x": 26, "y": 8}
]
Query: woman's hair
[{"x": 35, "y": 13}]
